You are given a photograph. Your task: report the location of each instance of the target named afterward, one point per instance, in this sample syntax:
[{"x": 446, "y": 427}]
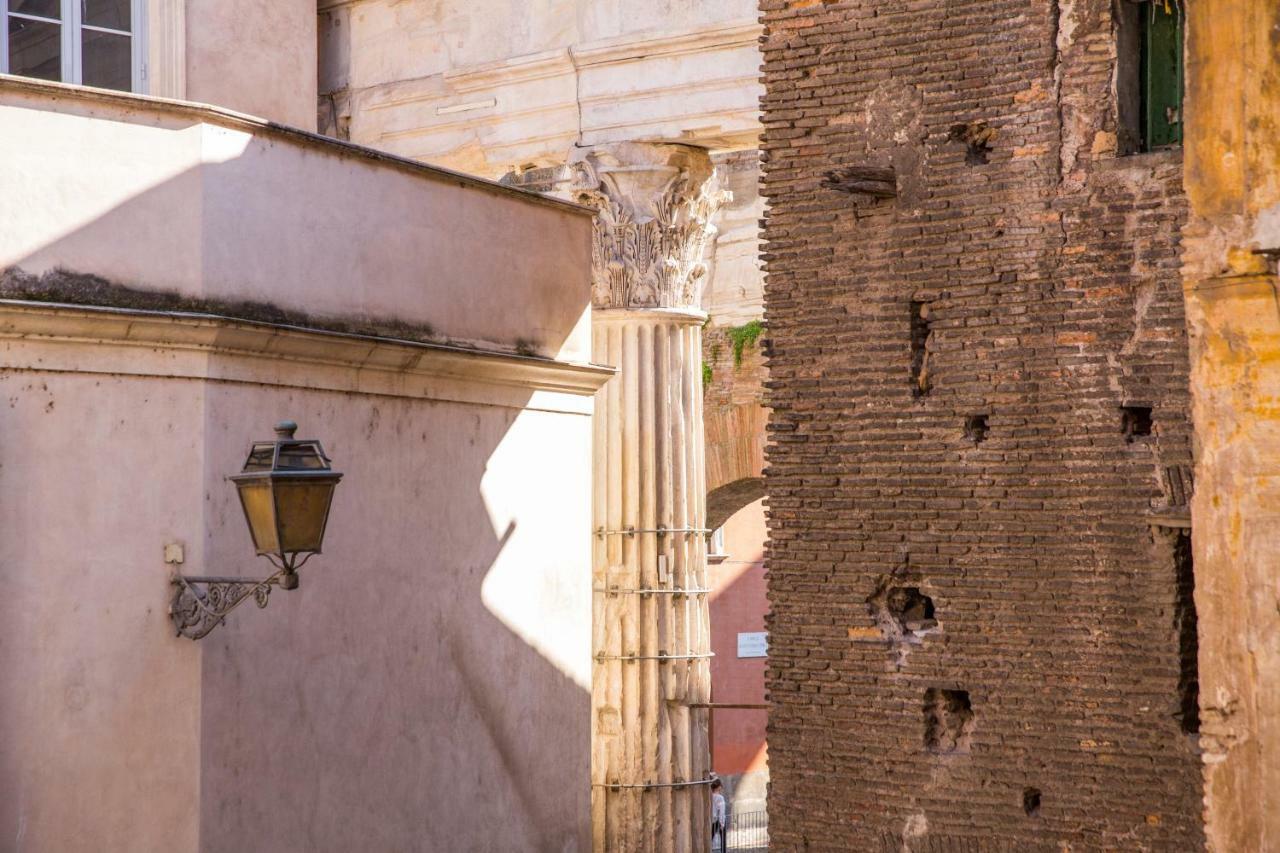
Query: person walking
[{"x": 719, "y": 824}]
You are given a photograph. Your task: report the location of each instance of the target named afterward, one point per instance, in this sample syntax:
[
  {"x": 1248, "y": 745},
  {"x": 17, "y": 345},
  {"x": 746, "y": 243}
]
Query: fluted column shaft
[
  {"x": 650, "y": 574},
  {"x": 651, "y": 634}
]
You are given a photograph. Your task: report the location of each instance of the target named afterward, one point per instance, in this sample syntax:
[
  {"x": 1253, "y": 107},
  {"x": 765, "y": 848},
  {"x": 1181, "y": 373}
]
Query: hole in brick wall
[
  {"x": 1188, "y": 641},
  {"x": 976, "y": 428},
  {"x": 920, "y": 333},
  {"x": 1031, "y": 801},
  {"x": 1135, "y": 422},
  {"x": 863, "y": 180},
  {"x": 977, "y": 136},
  {"x": 911, "y": 609},
  {"x": 902, "y": 614},
  {"x": 948, "y": 720}
]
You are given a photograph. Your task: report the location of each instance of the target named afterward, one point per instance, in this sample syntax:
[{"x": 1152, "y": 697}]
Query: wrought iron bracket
[{"x": 201, "y": 604}]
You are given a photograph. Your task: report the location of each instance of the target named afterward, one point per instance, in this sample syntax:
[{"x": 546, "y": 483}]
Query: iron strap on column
[
  {"x": 650, "y": 784},
  {"x": 600, "y": 657},
  {"x": 658, "y": 591},
  {"x": 661, "y": 531}
]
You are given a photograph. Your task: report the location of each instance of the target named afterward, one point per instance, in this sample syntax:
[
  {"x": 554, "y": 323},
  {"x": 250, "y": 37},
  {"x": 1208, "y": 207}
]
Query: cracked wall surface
[{"x": 1233, "y": 313}]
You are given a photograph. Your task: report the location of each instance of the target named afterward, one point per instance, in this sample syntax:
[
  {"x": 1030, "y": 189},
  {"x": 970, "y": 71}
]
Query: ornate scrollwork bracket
[{"x": 201, "y": 604}]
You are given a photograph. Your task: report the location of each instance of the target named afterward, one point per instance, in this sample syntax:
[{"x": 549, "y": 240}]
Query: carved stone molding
[
  {"x": 166, "y": 45},
  {"x": 654, "y": 203}
]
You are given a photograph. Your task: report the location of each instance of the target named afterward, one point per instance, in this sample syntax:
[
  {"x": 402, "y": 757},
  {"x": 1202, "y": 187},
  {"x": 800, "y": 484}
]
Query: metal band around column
[
  {"x": 656, "y": 657},
  {"x": 661, "y": 531},
  {"x": 659, "y": 591},
  {"x": 650, "y": 784}
]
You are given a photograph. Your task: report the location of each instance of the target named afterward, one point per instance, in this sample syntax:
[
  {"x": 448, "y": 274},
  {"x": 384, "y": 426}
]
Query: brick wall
[{"x": 974, "y": 644}]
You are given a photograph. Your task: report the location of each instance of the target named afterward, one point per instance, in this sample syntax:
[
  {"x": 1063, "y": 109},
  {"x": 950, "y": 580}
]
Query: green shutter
[{"x": 1162, "y": 74}]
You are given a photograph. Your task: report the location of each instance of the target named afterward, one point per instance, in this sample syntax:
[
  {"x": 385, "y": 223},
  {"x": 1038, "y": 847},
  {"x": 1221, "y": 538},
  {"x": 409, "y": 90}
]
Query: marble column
[{"x": 651, "y": 756}]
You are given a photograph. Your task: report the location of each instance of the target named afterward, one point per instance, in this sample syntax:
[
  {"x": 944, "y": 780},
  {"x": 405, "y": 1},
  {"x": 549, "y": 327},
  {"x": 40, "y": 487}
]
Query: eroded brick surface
[{"x": 1048, "y": 272}]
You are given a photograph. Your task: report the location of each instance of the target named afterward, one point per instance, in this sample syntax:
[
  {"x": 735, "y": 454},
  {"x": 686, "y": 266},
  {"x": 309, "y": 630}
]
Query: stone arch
[
  {"x": 723, "y": 502},
  {"x": 735, "y": 458}
]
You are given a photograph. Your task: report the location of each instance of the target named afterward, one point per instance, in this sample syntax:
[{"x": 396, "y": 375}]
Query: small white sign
[{"x": 753, "y": 645}]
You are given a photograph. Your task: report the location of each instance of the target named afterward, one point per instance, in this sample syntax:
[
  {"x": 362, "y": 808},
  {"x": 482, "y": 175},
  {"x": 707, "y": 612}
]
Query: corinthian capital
[{"x": 655, "y": 203}]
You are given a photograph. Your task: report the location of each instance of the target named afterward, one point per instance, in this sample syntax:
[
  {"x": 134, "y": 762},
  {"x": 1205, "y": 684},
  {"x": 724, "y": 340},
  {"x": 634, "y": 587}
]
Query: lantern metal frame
[{"x": 201, "y": 603}]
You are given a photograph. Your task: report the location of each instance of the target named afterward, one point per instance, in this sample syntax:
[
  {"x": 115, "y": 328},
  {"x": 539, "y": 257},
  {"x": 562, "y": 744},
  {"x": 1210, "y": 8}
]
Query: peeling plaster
[{"x": 1266, "y": 229}]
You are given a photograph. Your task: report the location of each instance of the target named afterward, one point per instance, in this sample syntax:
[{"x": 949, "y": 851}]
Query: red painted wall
[{"x": 738, "y": 605}]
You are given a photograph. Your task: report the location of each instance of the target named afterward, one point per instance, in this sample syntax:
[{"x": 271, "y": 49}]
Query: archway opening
[{"x": 738, "y": 601}]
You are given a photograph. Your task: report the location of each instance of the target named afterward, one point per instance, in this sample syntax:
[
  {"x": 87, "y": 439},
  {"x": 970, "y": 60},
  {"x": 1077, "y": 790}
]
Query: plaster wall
[
  {"x": 170, "y": 198},
  {"x": 738, "y": 605},
  {"x": 433, "y": 670},
  {"x": 253, "y": 56},
  {"x": 1229, "y": 279},
  {"x": 402, "y": 696},
  {"x": 99, "y": 704},
  {"x": 428, "y": 687},
  {"x": 500, "y": 88}
]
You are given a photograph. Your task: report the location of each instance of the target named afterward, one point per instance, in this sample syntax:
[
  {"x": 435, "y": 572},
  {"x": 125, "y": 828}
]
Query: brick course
[{"x": 1050, "y": 280}]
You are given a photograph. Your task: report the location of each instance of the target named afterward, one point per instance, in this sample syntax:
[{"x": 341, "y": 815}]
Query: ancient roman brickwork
[{"x": 979, "y": 452}]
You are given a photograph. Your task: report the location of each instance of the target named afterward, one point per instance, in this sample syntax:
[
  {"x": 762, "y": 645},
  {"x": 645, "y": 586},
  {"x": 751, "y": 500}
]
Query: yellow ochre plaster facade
[{"x": 1233, "y": 314}]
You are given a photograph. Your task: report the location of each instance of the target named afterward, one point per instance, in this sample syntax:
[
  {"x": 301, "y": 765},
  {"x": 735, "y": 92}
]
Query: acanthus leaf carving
[{"x": 654, "y": 206}]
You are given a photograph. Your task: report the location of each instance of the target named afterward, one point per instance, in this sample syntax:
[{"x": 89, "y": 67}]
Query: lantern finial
[{"x": 286, "y": 429}]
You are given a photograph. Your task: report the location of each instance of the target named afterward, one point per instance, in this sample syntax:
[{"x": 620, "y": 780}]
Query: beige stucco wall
[
  {"x": 1230, "y": 247},
  {"x": 433, "y": 666},
  {"x": 207, "y": 206},
  {"x": 253, "y": 56},
  {"x": 427, "y": 689},
  {"x": 428, "y": 686},
  {"x": 99, "y": 704}
]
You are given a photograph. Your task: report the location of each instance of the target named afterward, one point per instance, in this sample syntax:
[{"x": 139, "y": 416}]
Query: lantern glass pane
[
  {"x": 302, "y": 508},
  {"x": 260, "y": 457},
  {"x": 301, "y": 456},
  {"x": 259, "y": 509}
]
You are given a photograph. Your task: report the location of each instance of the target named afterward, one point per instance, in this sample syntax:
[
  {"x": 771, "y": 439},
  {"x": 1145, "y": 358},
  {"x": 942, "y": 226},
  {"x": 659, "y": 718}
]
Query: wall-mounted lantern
[{"x": 286, "y": 489}]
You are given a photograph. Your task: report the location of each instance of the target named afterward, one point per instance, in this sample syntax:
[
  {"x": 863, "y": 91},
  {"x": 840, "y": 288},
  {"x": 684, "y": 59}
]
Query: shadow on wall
[
  {"x": 388, "y": 706},
  {"x": 426, "y": 688},
  {"x": 299, "y": 227}
]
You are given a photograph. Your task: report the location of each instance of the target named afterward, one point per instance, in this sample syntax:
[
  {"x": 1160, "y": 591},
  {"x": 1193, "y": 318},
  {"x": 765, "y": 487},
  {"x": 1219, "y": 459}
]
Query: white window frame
[
  {"x": 716, "y": 543},
  {"x": 72, "y": 54}
]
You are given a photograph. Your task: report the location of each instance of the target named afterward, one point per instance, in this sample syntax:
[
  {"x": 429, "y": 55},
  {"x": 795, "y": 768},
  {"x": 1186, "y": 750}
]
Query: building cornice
[
  {"x": 275, "y": 354},
  {"x": 51, "y": 93},
  {"x": 509, "y": 72},
  {"x": 642, "y": 45},
  {"x": 626, "y": 48}
]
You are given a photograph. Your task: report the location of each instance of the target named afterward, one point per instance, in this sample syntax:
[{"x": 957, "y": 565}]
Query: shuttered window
[{"x": 1162, "y": 74}]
